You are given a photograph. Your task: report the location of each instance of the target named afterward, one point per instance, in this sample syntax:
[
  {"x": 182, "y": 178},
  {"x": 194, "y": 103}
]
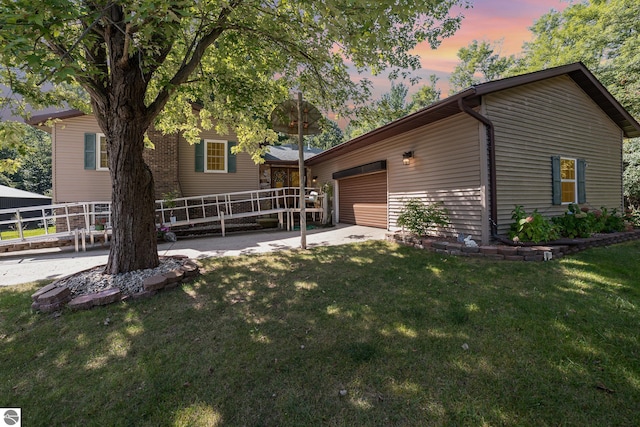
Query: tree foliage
[
  {"x": 392, "y": 106},
  {"x": 330, "y": 136},
  {"x": 30, "y": 161},
  {"x": 146, "y": 62},
  {"x": 478, "y": 63}
]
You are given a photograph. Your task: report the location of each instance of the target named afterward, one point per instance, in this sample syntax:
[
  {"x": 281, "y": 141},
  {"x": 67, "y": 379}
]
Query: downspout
[{"x": 491, "y": 148}]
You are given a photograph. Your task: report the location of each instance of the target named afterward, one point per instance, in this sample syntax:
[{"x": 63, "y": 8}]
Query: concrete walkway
[{"x": 30, "y": 266}]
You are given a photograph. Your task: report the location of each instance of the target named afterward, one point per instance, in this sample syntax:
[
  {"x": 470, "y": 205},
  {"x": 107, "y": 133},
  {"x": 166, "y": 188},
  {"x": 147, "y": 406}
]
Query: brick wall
[{"x": 163, "y": 161}]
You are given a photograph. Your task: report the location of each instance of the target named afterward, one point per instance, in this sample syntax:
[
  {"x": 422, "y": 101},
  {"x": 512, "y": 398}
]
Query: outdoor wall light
[
  {"x": 314, "y": 179},
  {"x": 406, "y": 157}
]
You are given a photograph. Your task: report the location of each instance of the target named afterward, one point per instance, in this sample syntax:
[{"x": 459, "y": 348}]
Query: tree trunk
[
  {"x": 124, "y": 121},
  {"x": 134, "y": 244}
]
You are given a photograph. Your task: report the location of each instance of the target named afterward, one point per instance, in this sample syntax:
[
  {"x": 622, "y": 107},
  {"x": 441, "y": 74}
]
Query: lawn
[
  {"x": 31, "y": 232},
  {"x": 359, "y": 335}
]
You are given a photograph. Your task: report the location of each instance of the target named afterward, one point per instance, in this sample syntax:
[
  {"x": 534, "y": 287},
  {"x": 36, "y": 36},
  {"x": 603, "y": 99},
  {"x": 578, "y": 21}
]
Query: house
[
  {"x": 542, "y": 140},
  {"x": 80, "y": 172}
]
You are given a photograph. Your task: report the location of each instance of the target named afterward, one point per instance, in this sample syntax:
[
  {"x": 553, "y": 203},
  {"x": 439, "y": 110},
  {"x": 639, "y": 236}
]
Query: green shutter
[
  {"x": 200, "y": 156},
  {"x": 582, "y": 187},
  {"x": 556, "y": 178},
  {"x": 231, "y": 158},
  {"x": 90, "y": 151}
]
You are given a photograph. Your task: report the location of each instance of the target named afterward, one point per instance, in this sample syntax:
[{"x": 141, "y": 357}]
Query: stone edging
[
  {"x": 53, "y": 297},
  {"x": 541, "y": 252}
]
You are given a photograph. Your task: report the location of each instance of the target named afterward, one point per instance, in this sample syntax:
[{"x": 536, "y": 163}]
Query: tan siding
[
  {"x": 195, "y": 183},
  {"x": 445, "y": 167},
  {"x": 553, "y": 117},
  {"x": 72, "y": 182}
]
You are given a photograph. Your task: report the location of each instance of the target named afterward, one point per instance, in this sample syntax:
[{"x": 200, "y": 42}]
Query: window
[
  {"x": 102, "y": 159},
  {"x": 215, "y": 156},
  {"x": 569, "y": 182}
]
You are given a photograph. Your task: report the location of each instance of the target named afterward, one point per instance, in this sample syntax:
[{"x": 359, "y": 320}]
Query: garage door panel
[{"x": 363, "y": 200}]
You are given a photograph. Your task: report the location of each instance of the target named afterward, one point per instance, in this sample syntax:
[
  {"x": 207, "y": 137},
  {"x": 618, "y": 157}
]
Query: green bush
[
  {"x": 531, "y": 228},
  {"x": 576, "y": 222},
  {"x": 417, "y": 217}
]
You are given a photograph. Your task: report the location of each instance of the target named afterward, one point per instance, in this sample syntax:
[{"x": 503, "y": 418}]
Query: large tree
[
  {"x": 146, "y": 62},
  {"x": 28, "y": 163}
]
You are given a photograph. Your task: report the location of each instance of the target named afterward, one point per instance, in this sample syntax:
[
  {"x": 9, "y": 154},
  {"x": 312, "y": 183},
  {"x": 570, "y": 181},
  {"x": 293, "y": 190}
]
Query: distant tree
[
  {"x": 426, "y": 95},
  {"x": 30, "y": 162},
  {"x": 478, "y": 63},
  {"x": 391, "y": 106},
  {"x": 330, "y": 137}
]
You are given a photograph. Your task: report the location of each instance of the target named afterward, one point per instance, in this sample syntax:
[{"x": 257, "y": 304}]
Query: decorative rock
[
  {"x": 107, "y": 296},
  {"x": 190, "y": 269},
  {"x": 83, "y": 302},
  {"x": 56, "y": 295},
  {"x": 41, "y": 291},
  {"x": 174, "y": 276},
  {"x": 154, "y": 283}
]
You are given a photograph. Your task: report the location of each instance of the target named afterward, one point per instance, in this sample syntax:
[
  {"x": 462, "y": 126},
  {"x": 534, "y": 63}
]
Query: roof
[
  {"x": 14, "y": 193},
  {"x": 289, "y": 153},
  {"x": 43, "y": 116},
  {"x": 472, "y": 96}
]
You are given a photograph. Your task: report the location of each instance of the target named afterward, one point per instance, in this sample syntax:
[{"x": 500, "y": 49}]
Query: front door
[{"x": 285, "y": 177}]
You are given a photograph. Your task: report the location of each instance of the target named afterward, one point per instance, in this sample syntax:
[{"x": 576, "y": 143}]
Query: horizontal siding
[
  {"x": 195, "y": 183},
  {"x": 539, "y": 120},
  {"x": 363, "y": 200},
  {"x": 445, "y": 167},
  {"x": 72, "y": 183}
]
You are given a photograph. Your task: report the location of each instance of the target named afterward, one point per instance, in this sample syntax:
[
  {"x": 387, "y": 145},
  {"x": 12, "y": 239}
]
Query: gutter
[{"x": 491, "y": 147}]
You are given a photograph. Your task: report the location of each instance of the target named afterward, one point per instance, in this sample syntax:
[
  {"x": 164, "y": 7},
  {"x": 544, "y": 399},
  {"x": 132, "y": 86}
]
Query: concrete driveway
[{"x": 30, "y": 266}]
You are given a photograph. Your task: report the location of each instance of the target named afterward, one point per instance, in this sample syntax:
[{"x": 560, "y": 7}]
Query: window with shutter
[
  {"x": 215, "y": 156},
  {"x": 569, "y": 180}
]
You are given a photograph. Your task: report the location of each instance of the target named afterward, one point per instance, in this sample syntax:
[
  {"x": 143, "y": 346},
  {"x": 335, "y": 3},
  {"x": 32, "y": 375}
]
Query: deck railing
[{"x": 95, "y": 217}]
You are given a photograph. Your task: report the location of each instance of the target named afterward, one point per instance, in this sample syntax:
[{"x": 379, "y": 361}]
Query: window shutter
[
  {"x": 90, "y": 151},
  {"x": 200, "y": 156},
  {"x": 582, "y": 187},
  {"x": 556, "y": 178},
  {"x": 231, "y": 158}
]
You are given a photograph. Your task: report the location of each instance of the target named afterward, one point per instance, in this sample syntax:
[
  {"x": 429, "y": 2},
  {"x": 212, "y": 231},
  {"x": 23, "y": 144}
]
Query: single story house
[{"x": 542, "y": 140}]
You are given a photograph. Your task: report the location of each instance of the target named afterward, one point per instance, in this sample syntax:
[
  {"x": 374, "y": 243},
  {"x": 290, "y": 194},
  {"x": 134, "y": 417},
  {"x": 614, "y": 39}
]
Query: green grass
[
  {"x": 414, "y": 338},
  {"x": 10, "y": 234}
]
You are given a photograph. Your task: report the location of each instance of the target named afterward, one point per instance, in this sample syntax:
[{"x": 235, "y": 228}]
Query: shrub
[
  {"x": 583, "y": 223},
  {"x": 417, "y": 217},
  {"x": 531, "y": 228}
]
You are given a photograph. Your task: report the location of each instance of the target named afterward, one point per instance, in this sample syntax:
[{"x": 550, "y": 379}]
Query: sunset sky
[{"x": 489, "y": 20}]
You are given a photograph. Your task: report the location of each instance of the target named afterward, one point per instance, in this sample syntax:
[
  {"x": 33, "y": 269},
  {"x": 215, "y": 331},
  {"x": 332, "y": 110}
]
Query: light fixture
[
  {"x": 406, "y": 157},
  {"x": 314, "y": 179}
]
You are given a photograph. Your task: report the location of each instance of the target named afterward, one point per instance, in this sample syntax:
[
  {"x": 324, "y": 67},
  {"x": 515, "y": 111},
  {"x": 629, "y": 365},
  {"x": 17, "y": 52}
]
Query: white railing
[{"x": 95, "y": 217}]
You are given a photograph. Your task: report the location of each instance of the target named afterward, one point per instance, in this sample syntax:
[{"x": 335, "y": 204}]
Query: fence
[{"x": 94, "y": 218}]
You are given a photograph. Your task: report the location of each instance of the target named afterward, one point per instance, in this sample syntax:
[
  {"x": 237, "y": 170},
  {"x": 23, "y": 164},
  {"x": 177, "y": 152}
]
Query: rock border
[
  {"x": 504, "y": 252},
  {"x": 52, "y": 297}
]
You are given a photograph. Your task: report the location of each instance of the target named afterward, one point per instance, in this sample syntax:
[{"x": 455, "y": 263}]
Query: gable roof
[
  {"x": 14, "y": 193},
  {"x": 472, "y": 97}
]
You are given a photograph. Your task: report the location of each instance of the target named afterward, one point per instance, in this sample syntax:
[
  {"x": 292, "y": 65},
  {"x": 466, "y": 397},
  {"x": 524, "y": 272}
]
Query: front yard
[{"x": 357, "y": 335}]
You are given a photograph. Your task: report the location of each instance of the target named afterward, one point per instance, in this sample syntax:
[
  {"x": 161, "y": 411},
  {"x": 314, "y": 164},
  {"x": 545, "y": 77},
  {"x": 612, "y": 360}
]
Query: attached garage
[{"x": 362, "y": 200}]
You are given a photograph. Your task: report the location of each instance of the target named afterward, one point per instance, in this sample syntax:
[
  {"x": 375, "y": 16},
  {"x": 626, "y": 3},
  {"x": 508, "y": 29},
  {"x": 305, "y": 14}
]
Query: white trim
[
  {"x": 574, "y": 180},
  {"x": 98, "y": 152},
  {"x": 206, "y": 155}
]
